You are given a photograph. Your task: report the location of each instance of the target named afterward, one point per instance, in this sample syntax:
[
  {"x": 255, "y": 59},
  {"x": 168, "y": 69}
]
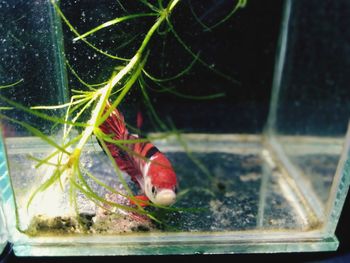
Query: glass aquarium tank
[
  {"x": 173, "y": 127},
  {"x": 3, "y": 232}
]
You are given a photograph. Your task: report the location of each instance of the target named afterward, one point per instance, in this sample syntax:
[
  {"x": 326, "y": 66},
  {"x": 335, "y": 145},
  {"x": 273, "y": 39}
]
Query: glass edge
[
  {"x": 340, "y": 187},
  {"x": 326, "y": 244},
  {"x": 279, "y": 68},
  {"x": 59, "y": 59},
  {"x": 6, "y": 197}
]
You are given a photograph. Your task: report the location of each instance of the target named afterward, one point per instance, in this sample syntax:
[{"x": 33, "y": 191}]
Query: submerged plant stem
[{"x": 107, "y": 89}]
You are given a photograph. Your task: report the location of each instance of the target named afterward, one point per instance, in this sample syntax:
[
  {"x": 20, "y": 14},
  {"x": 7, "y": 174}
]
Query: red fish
[{"x": 153, "y": 173}]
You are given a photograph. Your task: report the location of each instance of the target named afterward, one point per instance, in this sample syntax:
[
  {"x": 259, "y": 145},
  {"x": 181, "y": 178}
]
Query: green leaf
[
  {"x": 11, "y": 85},
  {"x": 53, "y": 178},
  {"x": 186, "y": 47},
  {"x": 66, "y": 21},
  {"x": 178, "y": 75},
  {"x": 37, "y": 133},
  {"x": 40, "y": 114},
  {"x": 112, "y": 22}
]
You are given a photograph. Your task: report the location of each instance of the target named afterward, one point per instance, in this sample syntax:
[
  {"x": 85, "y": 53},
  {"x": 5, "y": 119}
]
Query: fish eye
[{"x": 153, "y": 190}]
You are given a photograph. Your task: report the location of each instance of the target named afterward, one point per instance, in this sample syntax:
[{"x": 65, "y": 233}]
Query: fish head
[{"x": 160, "y": 182}]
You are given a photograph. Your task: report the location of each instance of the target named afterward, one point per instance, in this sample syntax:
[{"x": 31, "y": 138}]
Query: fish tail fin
[{"x": 114, "y": 124}]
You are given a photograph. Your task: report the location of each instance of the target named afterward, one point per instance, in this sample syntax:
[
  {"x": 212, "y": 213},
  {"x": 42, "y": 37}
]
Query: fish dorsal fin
[{"x": 115, "y": 126}]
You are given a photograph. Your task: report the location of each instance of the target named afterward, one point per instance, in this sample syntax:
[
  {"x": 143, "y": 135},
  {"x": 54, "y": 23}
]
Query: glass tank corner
[
  {"x": 172, "y": 127},
  {"x": 3, "y": 186},
  {"x": 3, "y": 232}
]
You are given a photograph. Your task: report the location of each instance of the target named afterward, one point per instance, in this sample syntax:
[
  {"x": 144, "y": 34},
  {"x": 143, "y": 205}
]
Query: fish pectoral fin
[{"x": 141, "y": 200}]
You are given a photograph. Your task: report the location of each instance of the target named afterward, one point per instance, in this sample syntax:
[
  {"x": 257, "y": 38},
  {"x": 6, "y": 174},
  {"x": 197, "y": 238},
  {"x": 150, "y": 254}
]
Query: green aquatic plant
[
  {"x": 239, "y": 4},
  {"x": 65, "y": 158},
  {"x": 11, "y": 85}
]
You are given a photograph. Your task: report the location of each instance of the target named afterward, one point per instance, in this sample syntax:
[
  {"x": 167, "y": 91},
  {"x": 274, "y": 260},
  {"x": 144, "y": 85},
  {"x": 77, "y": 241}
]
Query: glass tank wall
[
  {"x": 246, "y": 99},
  {"x": 3, "y": 232},
  {"x": 309, "y": 111},
  {"x": 5, "y": 191}
]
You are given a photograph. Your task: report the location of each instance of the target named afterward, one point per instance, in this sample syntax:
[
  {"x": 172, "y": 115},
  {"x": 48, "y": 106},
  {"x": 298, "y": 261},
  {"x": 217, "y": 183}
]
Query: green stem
[
  {"x": 107, "y": 89},
  {"x": 104, "y": 94},
  {"x": 112, "y": 22}
]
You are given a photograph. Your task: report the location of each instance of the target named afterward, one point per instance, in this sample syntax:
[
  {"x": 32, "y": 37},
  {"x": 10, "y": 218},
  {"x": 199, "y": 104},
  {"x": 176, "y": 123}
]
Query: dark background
[{"x": 243, "y": 48}]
